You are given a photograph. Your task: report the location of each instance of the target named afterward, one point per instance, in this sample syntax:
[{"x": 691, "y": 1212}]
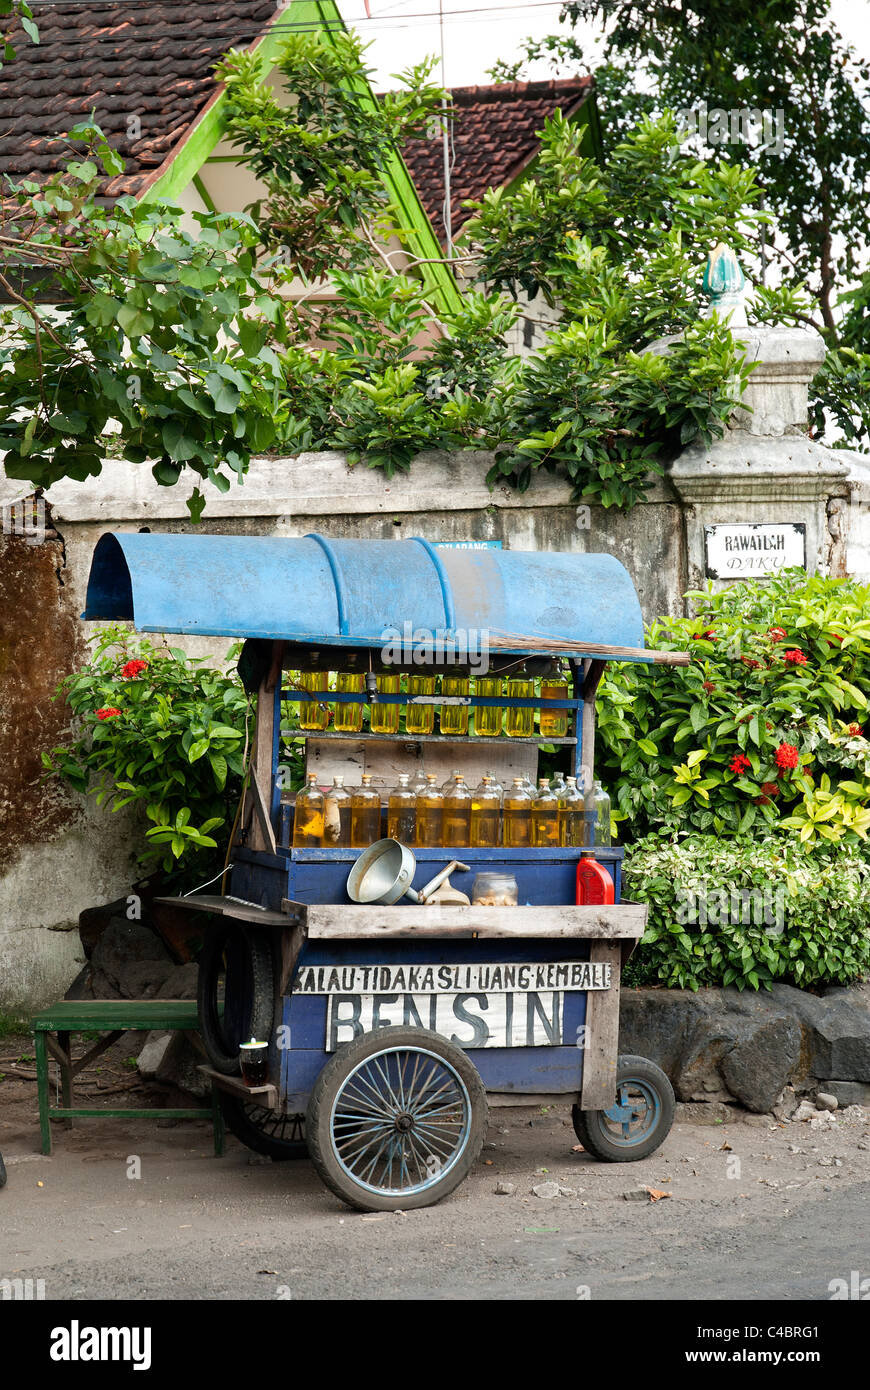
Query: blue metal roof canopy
[{"x": 352, "y": 593}]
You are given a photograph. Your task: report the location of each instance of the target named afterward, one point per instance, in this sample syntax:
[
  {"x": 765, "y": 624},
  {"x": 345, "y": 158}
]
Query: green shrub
[
  {"x": 161, "y": 730},
  {"x": 749, "y": 911},
  {"x": 764, "y": 726}
]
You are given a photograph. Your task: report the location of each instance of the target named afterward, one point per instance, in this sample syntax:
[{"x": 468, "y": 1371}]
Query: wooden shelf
[
  {"x": 267, "y": 1095},
  {"x": 481, "y": 741}
]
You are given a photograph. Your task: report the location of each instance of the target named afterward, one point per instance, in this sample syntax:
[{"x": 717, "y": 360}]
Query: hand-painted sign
[
  {"x": 748, "y": 549},
  {"x": 490, "y": 1004}
]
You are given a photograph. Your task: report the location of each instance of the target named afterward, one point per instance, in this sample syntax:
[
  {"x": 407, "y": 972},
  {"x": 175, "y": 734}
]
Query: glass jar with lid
[{"x": 494, "y": 890}]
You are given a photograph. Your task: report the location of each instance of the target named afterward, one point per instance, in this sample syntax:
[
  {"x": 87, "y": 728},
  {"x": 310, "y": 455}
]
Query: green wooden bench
[{"x": 53, "y": 1027}]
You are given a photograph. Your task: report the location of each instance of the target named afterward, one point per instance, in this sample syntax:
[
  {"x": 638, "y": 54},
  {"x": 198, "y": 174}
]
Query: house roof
[
  {"x": 152, "y": 61},
  {"x": 494, "y": 138}
]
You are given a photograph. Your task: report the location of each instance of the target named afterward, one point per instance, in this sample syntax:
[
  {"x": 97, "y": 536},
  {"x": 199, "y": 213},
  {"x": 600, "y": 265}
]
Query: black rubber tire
[
  {"x": 2, "y": 1172},
  {"x": 243, "y": 1120},
  {"x": 590, "y": 1126},
  {"x": 249, "y": 1006},
  {"x": 328, "y": 1086}
]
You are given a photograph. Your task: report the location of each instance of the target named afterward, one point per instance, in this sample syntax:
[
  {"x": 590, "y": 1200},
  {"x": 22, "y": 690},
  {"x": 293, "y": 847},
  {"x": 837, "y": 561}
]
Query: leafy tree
[
  {"x": 781, "y": 57},
  {"x": 157, "y": 335},
  {"x": 189, "y": 350},
  {"x": 618, "y": 251}
]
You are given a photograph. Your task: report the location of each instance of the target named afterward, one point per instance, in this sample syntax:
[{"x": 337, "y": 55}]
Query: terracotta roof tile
[
  {"x": 495, "y": 137},
  {"x": 119, "y": 59}
]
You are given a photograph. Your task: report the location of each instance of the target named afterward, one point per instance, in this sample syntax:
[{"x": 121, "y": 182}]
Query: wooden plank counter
[{"x": 329, "y": 922}]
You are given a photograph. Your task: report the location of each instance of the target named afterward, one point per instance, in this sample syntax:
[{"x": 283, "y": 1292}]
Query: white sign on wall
[{"x": 751, "y": 550}]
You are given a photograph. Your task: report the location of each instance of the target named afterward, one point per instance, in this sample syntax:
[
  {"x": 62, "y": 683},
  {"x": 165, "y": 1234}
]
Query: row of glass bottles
[
  {"x": 489, "y": 720},
  {"x": 452, "y": 816}
]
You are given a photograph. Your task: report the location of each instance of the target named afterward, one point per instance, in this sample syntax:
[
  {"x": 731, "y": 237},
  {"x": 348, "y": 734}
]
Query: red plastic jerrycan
[{"x": 594, "y": 883}]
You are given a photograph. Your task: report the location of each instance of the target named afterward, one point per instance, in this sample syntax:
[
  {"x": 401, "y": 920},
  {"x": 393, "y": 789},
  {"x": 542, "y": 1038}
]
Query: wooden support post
[
  {"x": 598, "y": 1090},
  {"x": 262, "y": 835},
  {"x": 592, "y": 673}
]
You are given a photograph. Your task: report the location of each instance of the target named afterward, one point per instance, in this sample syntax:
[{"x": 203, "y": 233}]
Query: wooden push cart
[{"x": 391, "y": 1027}]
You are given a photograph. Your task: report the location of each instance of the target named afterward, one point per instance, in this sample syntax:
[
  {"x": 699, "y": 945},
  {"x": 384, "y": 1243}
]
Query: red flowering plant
[
  {"x": 161, "y": 731},
  {"x": 736, "y": 740}
]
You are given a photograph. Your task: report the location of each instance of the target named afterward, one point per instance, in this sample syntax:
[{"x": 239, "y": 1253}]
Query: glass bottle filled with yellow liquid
[
  {"x": 488, "y": 718},
  {"x": 365, "y": 814},
  {"x": 430, "y": 814},
  {"x": 384, "y": 719},
  {"x": 517, "y": 816},
  {"x": 555, "y": 686},
  {"x": 454, "y": 718},
  {"x": 485, "y": 815},
  {"x": 314, "y": 714},
  {"x": 402, "y": 812},
  {"x": 545, "y": 817},
  {"x": 457, "y": 815},
  {"x": 572, "y": 822},
  {"x": 348, "y": 717},
  {"x": 420, "y": 719},
  {"x": 308, "y": 816},
  {"x": 336, "y": 815},
  {"x": 520, "y": 719}
]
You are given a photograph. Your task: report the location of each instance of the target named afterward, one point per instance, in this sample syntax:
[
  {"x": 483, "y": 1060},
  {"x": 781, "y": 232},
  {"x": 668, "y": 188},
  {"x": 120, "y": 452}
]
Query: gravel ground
[{"x": 751, "y": 1209}]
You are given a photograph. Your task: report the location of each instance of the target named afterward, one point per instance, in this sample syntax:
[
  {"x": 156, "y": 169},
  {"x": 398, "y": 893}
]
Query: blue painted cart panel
[
  {"x": 545, "y": 877},
  {"x": 554, "y": 1068}
]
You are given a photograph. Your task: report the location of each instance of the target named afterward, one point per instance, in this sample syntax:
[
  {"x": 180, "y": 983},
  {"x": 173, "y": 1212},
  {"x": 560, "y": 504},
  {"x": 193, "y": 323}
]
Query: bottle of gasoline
[
  {"x": 520, "y": 719},
  {"x": 545, "y": 816},
  {"x": 430, "y": 814},
  {"x": 517, "y": 816},
  {"x": 402, "y": 812},
  {"x": 457, "y": 815},
  {"x": 485, "y": 815},
  {"x": 336, "y": 815},
  {"x": 555, "y": 686},
  {"x": 365, "y": 814},
  {"x": 572, "y": 824},
  {"x": 308, "y": 818}
]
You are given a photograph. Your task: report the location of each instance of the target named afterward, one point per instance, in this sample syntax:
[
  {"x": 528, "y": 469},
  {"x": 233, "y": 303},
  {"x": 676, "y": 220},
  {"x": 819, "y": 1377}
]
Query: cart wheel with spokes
[
  {"x": 639, "y": 1120},
  {"x": 396, "y": 1120},
  {"x": 265, "y": 1131}
]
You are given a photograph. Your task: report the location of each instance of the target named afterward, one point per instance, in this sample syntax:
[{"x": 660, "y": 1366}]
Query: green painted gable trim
[{"x": 211, "y": 126}]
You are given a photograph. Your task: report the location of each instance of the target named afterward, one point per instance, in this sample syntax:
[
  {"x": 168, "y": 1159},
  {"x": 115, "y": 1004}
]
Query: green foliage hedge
[
  {"x": 749, "y": 911},
  {"x": 766, "y": 725}
]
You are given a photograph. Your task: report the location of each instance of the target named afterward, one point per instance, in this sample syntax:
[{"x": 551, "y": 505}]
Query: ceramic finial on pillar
[{"x": 725, "y": 283}]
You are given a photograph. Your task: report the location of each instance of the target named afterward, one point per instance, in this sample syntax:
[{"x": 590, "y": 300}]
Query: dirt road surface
[{"x": 754, "y": 1210}]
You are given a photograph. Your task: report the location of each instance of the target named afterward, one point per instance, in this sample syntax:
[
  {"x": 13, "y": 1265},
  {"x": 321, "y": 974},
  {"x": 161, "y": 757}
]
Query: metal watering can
[{"x": 384, "y": 872}]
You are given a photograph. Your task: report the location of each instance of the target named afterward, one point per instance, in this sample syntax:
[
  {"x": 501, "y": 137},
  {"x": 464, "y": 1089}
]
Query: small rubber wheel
[
  {"x": 639, "y": 1120},
  {"x": 235, "y": 993},
  {"x": 396, "y": 1120},
  {"x": 268, "y": 1132}
]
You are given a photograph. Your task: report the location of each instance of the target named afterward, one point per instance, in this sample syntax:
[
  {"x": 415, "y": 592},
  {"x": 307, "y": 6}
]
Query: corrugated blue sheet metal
[{"x": 352, "y": 593}]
